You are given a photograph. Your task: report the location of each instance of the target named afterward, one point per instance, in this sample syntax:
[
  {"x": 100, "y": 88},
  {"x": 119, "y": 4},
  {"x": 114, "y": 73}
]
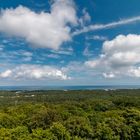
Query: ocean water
[{"x": 104, "y": 87}]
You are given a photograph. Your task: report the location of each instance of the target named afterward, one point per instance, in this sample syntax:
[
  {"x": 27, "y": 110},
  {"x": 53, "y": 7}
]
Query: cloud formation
[
  {"x": 85, "y": 18},
  {"x": 45, "y": 29},
  {"x": 120, "y": 57},
  {"x": 95, "y": 27},
  {"x": 34, "y": 72},
  {"x": 97, "y": 37}
]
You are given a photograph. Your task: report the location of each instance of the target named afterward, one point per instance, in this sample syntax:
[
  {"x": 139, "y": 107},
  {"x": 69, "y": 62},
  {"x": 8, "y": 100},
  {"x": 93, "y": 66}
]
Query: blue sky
[{"x": 67, "y": 42}]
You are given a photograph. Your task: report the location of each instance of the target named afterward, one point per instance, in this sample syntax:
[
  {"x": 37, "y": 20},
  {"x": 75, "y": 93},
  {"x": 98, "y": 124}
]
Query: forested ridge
[{"x": 70, "y": 115}]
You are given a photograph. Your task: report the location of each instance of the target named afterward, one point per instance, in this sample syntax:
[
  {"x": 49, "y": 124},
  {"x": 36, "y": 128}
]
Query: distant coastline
[{"x": 96, "y": 87}]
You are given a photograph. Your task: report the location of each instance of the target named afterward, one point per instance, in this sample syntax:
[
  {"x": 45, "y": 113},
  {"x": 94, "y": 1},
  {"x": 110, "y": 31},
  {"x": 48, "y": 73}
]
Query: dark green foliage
[
  {"x": 70, "y": 115},
  {"x": 79, "y": 126}
]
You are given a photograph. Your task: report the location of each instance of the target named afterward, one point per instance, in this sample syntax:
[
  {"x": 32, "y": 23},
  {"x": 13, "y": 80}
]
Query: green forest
[{"x": 70, "y": 115}]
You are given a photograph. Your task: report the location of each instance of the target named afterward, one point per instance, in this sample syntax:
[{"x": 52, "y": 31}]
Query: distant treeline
[{"x": 70, "y": 115}]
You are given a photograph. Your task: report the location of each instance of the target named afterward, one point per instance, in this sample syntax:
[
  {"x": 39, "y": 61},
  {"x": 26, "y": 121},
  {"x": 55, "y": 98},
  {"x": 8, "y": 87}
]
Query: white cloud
[
  {"x": 85, "y": 18},
  {"x": 97, "y": 37},
  {"x": 26, "y": 59},
  {"x": 26, "y": 53},
  {"x": 43, "y": 29},
  {"x": 20, "y": 53},
  {"x": 34, "y": 72},
  {"x": 123, "y": 50},
  {"x": 6, "y": 74},
  {"x": 63, "y": 51},
  {"x": 95, "y": 27},
  {"x": 53, "y": 56},
  {"x": 120, "y": 57},
  {"x": 108, "y": 75},
  {"x": 134, "y": 72},
  {"x": 9, "y": 56},
  {"x": 77, "y": 70},
  {"x": 92, "y": 63}
]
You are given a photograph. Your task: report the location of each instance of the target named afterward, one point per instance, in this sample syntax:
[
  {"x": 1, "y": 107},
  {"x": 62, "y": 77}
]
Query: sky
[{"x": 69, "y": 42}]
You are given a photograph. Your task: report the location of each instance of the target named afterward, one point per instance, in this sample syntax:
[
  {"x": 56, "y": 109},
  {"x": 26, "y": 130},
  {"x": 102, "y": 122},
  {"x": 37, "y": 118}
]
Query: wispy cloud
[
  {"x": 107, "y": 26},
  {"x": 97, "y": 37},
  {"x": 67, "y": 51}
]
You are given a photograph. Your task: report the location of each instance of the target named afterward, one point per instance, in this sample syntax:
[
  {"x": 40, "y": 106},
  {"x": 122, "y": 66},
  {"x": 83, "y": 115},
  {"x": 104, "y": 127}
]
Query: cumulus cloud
[
  {"x": 134, "y": 72},
  {"x": 34, "y": 72},
  {"x": 6, "y": 74},
  {"x": 44, "y": 29},
  {"x": 120, "y": 56}
]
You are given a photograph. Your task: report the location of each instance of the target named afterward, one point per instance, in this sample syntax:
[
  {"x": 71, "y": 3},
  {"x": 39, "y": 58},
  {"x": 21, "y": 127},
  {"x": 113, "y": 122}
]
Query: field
[{"x": 70, "y": 115}]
